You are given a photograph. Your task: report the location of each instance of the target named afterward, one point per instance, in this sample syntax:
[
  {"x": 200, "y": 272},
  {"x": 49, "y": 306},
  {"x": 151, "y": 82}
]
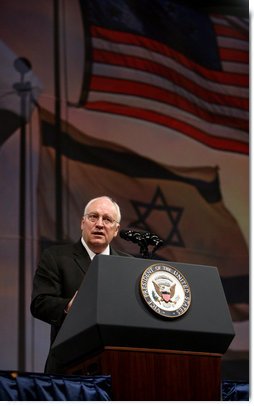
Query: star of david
[{"x": 158, "y": 202}]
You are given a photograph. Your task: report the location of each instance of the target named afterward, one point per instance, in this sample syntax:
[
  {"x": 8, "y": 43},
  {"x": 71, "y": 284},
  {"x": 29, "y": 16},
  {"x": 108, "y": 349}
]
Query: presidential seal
[{"x": 165, "y": 290}]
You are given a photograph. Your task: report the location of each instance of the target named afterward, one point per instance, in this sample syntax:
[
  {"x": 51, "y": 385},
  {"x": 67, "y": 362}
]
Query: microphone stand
[
  {"x": 143, "y": 240},
  {"x": 144, "y": 248},
  {"x": 143, "y": 243},
  {"x": 158, "y": 244}
]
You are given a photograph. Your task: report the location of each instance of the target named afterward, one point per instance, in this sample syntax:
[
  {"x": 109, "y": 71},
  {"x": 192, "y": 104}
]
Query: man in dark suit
[{"x": 62, "y": 268}]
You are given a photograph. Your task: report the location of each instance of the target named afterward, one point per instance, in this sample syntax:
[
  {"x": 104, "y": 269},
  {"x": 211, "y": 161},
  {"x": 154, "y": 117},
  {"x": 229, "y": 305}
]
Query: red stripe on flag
[
  {"x": 160, "y": 119},
  {"x": 235, "y": 55},
  {"x": 154, "y": 46},
  {"x": 226, "y": 31},
  {"x": 173, "y": 76},
  {"x": 126, "y": 87}
]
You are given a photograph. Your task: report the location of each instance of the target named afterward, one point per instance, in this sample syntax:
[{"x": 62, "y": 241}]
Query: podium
[{"x": 112, "y": 330}]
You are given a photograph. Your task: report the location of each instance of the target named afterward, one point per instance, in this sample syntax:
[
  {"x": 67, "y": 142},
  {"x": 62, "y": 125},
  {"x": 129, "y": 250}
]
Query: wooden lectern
[{"x": 111, "y": 330}]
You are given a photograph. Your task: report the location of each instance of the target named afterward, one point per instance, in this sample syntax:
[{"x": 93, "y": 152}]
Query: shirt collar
[{"x": 91, "y": 253}]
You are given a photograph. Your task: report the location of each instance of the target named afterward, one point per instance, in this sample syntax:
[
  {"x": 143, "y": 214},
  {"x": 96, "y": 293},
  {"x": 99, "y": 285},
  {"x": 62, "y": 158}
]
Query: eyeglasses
[{"x": 106, "y": 220}]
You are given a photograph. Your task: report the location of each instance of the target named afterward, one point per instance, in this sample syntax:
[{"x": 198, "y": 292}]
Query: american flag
[{"x": 170, "y": 65}]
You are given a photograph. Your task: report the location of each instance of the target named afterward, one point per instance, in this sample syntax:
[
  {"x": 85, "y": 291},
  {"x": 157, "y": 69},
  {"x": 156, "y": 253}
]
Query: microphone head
[
  {"x": 147, "y": 236},
  {"x": 127, "y": 235},
  {"x": 130, "y": 235},
  {"x": 153, "y": 239}
]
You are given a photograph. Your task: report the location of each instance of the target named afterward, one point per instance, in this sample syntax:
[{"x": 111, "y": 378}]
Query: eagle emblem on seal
[{"x": 164, "y": 290}]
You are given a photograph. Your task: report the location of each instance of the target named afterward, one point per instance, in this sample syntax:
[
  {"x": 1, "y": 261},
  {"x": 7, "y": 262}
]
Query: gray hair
[{"x": 118, "y": 212}]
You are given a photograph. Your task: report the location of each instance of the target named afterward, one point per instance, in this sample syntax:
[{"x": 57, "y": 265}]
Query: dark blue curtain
[
  {"x": 235, "y": 391},
  {"x": 24, "y": 386},
  {"x": 32, "y": 386}
]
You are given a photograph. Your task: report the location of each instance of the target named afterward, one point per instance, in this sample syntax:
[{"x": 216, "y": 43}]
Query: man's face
[{"x": 96, "y": 226}]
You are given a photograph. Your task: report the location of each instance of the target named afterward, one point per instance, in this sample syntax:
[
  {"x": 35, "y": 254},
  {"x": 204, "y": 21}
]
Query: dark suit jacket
[{"x": 59, "y": 275}]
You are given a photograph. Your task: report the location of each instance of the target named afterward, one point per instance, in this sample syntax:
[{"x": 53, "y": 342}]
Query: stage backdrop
[{"x": 147, "y": 103}]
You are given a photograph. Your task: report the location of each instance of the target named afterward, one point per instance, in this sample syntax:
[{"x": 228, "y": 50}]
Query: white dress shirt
[{"x": 91, "y": 253}]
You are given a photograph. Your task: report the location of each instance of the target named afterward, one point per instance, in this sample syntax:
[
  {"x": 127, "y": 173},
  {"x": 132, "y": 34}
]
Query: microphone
[
  {"x": 143, "y": 240},
  {"x": 155, "y": 240},
  {"x": 138, "y": 237},
  {"x": 130, "y": 235}
]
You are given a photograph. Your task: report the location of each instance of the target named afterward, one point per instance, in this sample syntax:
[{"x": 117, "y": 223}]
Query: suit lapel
[
  {"x": 81, "y": 256},
  {"x": 112, "y": 251}
]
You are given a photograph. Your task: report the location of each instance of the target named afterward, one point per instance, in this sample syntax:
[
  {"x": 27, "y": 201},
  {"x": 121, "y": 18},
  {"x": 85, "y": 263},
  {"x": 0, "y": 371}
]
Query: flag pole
[
  {"x": 22, "y": 246},
  {"x": 58, "y": 160},
  {"x": 23, "y": 89}
]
